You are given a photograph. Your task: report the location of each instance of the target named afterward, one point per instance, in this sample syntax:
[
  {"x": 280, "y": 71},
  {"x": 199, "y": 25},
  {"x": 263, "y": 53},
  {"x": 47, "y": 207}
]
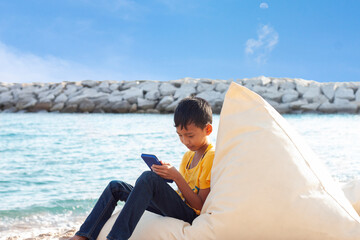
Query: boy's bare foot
[{"x": 75, "y": 237}]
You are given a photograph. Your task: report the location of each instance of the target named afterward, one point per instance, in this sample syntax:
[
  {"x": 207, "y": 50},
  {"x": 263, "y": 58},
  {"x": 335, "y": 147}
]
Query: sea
[{"x": 54, "y": 166}]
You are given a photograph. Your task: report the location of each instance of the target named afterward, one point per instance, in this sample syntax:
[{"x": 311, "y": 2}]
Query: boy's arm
[
  {"x": 168, "y": 171},
  {"x": 195, "y": 200}
]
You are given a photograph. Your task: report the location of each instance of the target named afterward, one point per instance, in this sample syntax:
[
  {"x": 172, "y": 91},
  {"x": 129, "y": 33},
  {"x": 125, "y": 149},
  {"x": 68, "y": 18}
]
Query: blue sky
[{"x": 48, "y": 40}]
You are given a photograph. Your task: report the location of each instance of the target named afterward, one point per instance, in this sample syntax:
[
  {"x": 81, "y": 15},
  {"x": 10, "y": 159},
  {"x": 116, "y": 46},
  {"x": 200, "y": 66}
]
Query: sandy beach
[{"x": 61, "y": 235}]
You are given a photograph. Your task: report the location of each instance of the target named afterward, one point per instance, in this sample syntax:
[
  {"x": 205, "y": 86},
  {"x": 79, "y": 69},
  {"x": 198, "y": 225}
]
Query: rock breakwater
[{"x": 284, "y": 94}]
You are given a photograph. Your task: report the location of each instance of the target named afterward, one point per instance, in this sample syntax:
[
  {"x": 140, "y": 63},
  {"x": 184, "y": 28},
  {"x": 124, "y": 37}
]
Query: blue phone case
[{"x": 151, "y": 159}]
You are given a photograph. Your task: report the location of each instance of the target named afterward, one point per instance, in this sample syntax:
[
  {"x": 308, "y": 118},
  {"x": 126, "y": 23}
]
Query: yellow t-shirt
[{"x": 199, "y": 176}]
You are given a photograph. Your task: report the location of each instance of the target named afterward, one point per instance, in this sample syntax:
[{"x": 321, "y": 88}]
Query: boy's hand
[{"x": 166, "y": 170}]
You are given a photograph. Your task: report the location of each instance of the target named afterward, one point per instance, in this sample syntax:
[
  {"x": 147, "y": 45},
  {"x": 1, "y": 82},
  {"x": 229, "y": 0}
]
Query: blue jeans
[{"x": 150, "y": 192}]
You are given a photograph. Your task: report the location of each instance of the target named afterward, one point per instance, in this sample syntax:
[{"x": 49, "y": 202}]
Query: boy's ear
[{"x": 208, "y": 129}]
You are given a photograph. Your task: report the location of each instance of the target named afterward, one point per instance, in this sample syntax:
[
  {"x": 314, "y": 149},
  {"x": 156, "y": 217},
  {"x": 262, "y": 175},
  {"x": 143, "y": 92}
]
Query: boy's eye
[{"x": 190, "y": 136}]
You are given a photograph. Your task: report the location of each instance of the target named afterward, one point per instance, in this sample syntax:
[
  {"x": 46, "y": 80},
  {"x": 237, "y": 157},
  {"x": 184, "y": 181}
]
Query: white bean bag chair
[
  {"x": 352, "y": 193},
  {"x": 266, "y": 184}
]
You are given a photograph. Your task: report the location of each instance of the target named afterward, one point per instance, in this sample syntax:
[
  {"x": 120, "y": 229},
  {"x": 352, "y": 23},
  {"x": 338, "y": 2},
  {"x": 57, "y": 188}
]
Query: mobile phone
[{"x": 151, "y": 159}]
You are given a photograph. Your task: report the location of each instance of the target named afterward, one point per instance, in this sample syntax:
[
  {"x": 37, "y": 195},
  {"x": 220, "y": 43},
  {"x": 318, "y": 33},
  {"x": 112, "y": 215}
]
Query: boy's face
[{"x": 194, "y": 137}]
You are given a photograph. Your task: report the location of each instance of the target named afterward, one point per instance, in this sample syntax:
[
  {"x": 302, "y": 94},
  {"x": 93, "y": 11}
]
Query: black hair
[{"x": 193, "y": 110}]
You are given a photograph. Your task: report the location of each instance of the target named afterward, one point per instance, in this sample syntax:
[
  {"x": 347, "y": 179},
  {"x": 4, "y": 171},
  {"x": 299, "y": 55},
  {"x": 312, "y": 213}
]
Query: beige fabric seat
[
  {"x": 266, "y": 184},
  {"x": 352, "y": 193}
]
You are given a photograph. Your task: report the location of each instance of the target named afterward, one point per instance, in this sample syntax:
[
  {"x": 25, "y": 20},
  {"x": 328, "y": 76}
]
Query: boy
[{"x": 193, "y": 119}]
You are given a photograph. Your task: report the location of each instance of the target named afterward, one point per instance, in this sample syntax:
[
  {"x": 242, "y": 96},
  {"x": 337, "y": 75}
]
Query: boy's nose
[{"x": 186, "y": 141}]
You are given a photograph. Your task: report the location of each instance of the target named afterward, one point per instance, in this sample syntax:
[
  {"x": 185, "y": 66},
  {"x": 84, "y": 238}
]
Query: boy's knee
[
  {"x": 114, "y": 185},
  {"x": 147, "y": 177}
]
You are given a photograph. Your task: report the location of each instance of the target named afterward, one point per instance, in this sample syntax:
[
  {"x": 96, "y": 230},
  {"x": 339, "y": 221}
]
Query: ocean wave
[
  {"x": 52, "y": 207},
  {"x": 32, "y": 221}
]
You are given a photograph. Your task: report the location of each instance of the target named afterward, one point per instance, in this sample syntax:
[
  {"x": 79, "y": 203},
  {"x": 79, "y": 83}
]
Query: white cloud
[
  {"x": 16, "y": 66},
  {"x": 260, "y": 48},
  {"x": 264, "y": 5}
]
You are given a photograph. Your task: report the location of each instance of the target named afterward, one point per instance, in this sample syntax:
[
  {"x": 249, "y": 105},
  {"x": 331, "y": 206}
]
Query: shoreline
[
  {"x": 286, "y": 95},
  {"x": 56, "y": 226},
  {"x": 33, "y": 227},
  {"x": 63, "y": 234}
]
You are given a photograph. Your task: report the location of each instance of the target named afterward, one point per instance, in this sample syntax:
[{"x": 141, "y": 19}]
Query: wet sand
[{"x": 60, "y": 235}]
